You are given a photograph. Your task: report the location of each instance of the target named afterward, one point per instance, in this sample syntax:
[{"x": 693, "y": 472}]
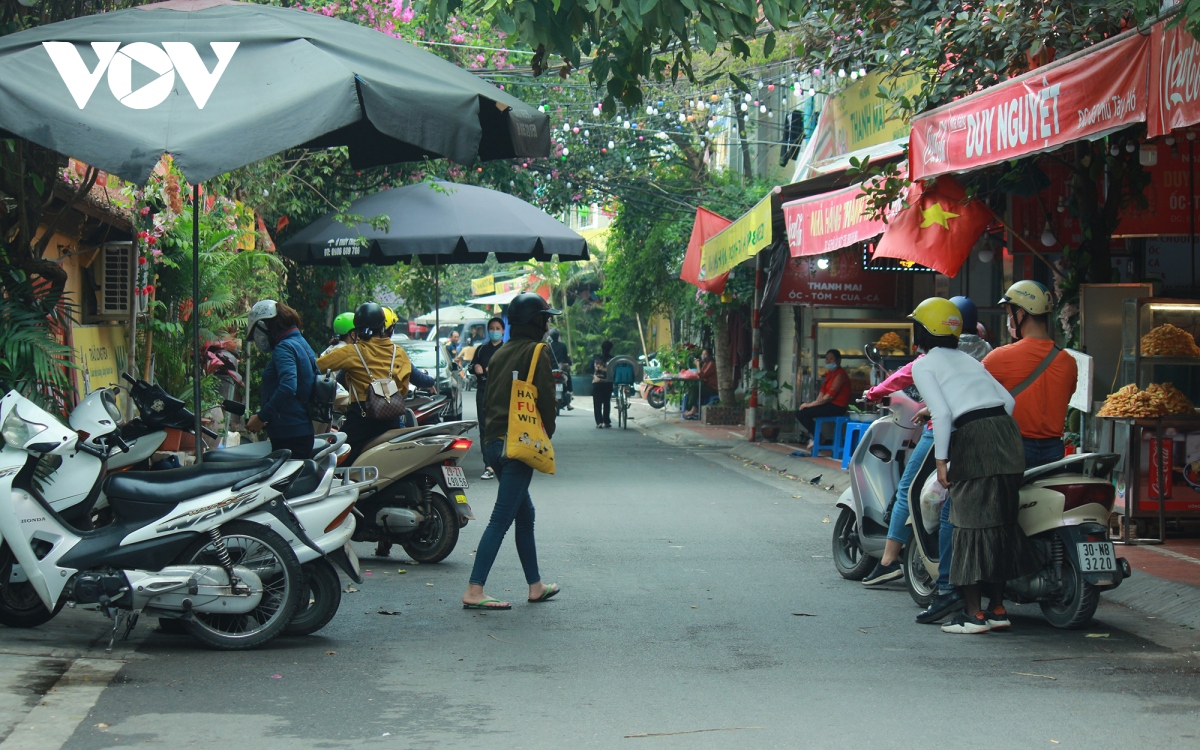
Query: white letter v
[
  {"x": 80, "y": 81},
  {"x": 200, "y": 83}
]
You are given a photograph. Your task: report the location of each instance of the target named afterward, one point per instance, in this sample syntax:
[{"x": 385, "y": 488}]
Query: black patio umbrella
[
  {"x": 438, "y": 223},
  {"x": 219, "y": 84}
]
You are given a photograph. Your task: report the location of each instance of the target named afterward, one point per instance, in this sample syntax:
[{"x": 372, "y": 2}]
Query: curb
[{"x": 1177, "y": 602}]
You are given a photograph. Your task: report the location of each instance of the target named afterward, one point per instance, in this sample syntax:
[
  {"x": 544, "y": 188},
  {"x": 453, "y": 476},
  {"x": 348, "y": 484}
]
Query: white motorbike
[{"x": 182, "y": 544}]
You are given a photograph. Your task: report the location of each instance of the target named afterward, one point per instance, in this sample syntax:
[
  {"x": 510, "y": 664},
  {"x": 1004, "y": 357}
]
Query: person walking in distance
[
  {"x": 529, "y": 317},
  {"x": 832, "y": 400},
  {"x": 602, "y": 387},
  {"x": 562, "y": 360},
  {"x": 479, "y": 366}
]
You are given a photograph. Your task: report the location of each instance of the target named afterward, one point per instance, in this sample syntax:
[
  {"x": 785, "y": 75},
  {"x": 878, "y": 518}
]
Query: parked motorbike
[
  {"x": 182, "y": 544},
  {"x": 654, "y": 392},
  {"x": 1064, "y": 510},
  {"x": 562, "y": 392}
]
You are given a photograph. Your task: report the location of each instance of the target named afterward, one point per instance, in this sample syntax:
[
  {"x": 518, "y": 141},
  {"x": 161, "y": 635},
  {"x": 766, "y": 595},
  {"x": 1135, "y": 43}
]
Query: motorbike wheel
[
  {"x": 20, "y": 605},
  {"x": 434, "y": 540},
  {"x": 921, "y": 586},
  {"x": 656, "y": 398},
  {"x": 321, "y": 598},
  {"x": 257, "y": 547},
  {"x": 1078, "y": 602},
  {"x": 848, "y": 557}
]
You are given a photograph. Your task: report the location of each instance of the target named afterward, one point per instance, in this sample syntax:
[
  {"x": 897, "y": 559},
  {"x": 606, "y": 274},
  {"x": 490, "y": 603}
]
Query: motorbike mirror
[
  {"x": 881, "y": 452},
  {"x": 872, "y": 353}
]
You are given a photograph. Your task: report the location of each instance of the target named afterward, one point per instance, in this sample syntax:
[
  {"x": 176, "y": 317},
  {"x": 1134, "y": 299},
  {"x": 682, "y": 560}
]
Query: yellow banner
[
  {"x": 100, "y": 352},
  {"x": 857, "y": 118},
  {"x": 737, "y": 242},
  {"x": 511, "y": 285},
  {"x": 480, "y": 287}
]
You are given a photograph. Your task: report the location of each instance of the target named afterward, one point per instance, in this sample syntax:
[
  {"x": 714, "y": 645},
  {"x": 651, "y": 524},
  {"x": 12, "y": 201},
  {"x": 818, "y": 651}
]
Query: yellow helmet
[
  {"x": 1030, "y": 296},
  {"x": 939, "y": 316},
  {"x": 390, "y": 318}
]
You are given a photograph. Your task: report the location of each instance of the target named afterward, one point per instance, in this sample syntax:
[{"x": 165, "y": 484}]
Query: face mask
[
  {"x": 495, "y": 336},
  {"x": 832, "y": 366},
  {"x": 261, "y": 339}
]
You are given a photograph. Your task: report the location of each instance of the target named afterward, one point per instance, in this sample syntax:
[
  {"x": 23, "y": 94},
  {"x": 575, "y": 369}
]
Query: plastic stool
[
  {"x": 836, "y": 445},
  {"x": 854, "y": 432}
]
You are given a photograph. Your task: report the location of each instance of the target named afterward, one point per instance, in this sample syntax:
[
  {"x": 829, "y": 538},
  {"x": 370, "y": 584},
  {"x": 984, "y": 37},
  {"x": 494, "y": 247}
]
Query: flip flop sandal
[
  {"x": 550, "y": 591},
  {"x": 486, "y": 604}
]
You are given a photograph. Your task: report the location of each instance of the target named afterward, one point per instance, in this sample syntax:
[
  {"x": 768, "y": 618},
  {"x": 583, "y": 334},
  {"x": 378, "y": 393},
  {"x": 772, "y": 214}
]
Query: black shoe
[
  {"x": 997, "y": 617},
  {"x": 883, "y": 574},
  {"x": 966, "y": 624},
  {"x": 940, "y": 606}
]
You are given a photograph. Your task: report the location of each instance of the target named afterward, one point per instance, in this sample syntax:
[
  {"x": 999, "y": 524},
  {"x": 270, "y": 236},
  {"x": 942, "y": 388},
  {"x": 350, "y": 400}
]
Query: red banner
[
  {"x": 1081, "y": 96},
  {"x": 1174, "y": 79},
  {"x": 828, "y": 222},
  {"x": 843, "y": 283}
]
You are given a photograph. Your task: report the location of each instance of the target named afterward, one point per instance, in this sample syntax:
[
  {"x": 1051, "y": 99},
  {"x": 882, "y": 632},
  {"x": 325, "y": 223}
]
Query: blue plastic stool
[
  {"x": 854, "y": 432},
  {"x": 835, "y": 447}
]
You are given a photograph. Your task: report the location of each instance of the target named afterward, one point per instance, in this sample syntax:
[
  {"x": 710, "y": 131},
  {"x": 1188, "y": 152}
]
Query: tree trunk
[{"x": 722, "y": 357}]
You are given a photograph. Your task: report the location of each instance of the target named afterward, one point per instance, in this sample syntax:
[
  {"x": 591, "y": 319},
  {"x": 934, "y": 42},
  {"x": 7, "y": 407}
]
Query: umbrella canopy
[
  {"x": 219, "y": 84},
  {"x": 452, "y": 314},
  {"x": 496, "y": 299},
  {"x": 438, "y": 222}
]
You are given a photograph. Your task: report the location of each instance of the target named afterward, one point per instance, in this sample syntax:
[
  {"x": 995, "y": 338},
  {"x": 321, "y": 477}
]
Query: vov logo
[{"x": 117, "y": 61}]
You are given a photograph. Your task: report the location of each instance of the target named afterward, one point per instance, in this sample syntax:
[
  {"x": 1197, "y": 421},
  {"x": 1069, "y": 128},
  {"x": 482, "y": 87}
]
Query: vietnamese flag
[
  {"x": 707, "y": 225},
  {"x": 939, "y": 227}
]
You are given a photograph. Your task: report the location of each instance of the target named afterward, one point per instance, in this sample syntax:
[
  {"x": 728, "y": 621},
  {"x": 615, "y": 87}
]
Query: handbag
[
  {"x": 526, "y": 439},
  {"x": 384, "y": 399},
  {"x": 320, "y": 402}
]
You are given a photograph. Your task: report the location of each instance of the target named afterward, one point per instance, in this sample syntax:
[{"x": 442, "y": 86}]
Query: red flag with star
[{"x": 939, "y": 227}]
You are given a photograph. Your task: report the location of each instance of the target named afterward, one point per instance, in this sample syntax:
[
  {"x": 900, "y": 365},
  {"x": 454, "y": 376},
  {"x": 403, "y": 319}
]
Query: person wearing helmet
[
  {"x": 562, "y": 360},
  {"x": 287, "y": 381},
  {"x": 969, "y": 340},
  {"x": 1036, "y": 371},
  {"x": 529, "y": 318},
  {"x": 978, "y": 450},
  {"x": 343, "y": 332},
  {"x": 372, "y": 356},
  {"x": 390, "y": 319},
  {"x": 833, "y": 399}
]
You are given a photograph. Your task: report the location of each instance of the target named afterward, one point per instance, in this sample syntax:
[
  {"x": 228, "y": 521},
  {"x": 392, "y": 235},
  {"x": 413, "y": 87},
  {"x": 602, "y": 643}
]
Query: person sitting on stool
[{"x": 831, "y": 401}]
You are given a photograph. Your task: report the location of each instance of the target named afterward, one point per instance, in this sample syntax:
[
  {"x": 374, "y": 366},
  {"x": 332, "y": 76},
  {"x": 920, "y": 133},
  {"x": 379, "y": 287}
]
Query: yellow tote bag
[{"x": 526, "y": 440}]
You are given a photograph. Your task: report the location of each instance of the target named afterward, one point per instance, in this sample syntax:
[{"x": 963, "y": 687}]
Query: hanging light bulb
[
  {"x": 625, "y": 124},
  {"x": 745, "y": 106},
  {"x": 1048, "y": 238},
  {"x": 1114, "y": 150},
  {"x": 986, "y": 254},
  {"x": 541, "y": 108},
  {"x": 1062, "y": 204},
  {"x": 595, "y": 111},
  {"x": 566, "y": 152},
  {"x": 566, "y": 127},
  {"x": 1130, "y": 147},
  {"x": 763, "y": 109},
  {"x": 842, "y": 73},
  {"x": 649, "y": 110},
  {"x": 1169, "y": 140},
  {"x": 587, "y": 134},
  {"x": 1191, "y": 136},
  {"x": 854, "y": 75},
  {"x": 748, "y": 98},
  {"x": 823, "y": 263},
  {"x": 611, "y": 144},
  {"x": 811, "y": 92},
  {"x": 862, "y": 72}
]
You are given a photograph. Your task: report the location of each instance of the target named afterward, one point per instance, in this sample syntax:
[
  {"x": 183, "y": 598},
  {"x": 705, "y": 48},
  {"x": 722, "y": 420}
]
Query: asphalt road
[{"x": 700, "y": 608}]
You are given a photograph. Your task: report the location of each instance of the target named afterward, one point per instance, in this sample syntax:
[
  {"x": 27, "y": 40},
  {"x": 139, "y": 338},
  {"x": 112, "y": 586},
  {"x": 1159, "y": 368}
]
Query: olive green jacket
[{"x": 516, "y": 355}]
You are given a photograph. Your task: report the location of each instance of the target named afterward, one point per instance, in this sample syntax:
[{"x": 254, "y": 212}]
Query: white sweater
[{"x": 953, "y": 383}]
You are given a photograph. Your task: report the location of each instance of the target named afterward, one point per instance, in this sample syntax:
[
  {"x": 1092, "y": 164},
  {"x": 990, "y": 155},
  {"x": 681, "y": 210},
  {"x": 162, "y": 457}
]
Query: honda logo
[{"x": 117, "y": 61}]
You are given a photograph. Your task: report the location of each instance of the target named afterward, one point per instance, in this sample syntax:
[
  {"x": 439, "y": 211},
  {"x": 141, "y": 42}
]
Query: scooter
[
  {"x": 182, "y": 544},
  {"x": 654, "y": 392},
  {"x": 562, "y": 391},
  {"x": 1064, "y": 510}
]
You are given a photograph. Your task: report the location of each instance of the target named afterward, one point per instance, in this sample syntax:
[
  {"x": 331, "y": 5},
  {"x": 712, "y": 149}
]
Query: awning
[
  {"x": 740, "y": 241},
  {"x": 1174, "y": 78},
  {"x": 1083, "y": 96},
  {"x": 707, "y": 225},
  {"x": 829, "y": 221}
]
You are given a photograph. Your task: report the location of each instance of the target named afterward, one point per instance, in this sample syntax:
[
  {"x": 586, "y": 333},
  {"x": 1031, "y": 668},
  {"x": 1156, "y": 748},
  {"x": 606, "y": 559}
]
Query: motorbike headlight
[{"x": 17, "y": 431}]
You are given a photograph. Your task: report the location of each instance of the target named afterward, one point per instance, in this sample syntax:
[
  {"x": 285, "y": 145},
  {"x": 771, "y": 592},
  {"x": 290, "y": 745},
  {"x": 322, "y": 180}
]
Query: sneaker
[
  {"x": 962, "y": 623},
  {"x": 997, "y": 618},
  {"x": 883, "y": 574},
  {"x": 489, "y": 474},
  {"x": 941, "y": 606}
]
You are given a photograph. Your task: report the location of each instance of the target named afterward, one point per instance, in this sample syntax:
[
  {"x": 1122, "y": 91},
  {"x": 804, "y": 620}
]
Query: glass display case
[
  {"x": 1158, "y": 344},
  {"x": 893, "y": 338}
]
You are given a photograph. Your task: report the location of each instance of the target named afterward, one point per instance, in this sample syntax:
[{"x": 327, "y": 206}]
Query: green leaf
[
  {"x": 38, "y": 184},
  {"x": 739, "y": 48},
  {"x": 769, "y": 44},
  {"x": 739, "y": 83}
]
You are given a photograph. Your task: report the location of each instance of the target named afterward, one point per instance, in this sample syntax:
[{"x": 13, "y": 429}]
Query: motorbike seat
[
  {"x": 137, "y": 495},
  {"x": 249, "y": 451},
  {"x": 305, "y": 481}
]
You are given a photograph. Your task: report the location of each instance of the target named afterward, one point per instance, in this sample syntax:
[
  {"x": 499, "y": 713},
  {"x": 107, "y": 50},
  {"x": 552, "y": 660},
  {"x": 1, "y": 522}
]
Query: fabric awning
[
  {"x": 707, "y": 225},
  {"x": 738, "y": 242},
  {"x": 1083, "y": 96},
  {"x": 1174, "y": 78},
  {"x": 830, "y": 221}
]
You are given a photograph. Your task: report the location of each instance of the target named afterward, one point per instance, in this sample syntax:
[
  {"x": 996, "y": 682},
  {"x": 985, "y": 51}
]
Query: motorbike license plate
[
  {"x": 1096, "y": 557},
  {"x": 455, "y": 477},
  {"x": 558, "y": 388}
]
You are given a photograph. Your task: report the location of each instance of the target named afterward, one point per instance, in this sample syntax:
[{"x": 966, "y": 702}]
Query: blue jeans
[
  {"x": 898, "y": 530},
  {"x": 945, "y": 549},
  {"x": 512, "y": 504},
  {"x": 1042, "y": 451}
]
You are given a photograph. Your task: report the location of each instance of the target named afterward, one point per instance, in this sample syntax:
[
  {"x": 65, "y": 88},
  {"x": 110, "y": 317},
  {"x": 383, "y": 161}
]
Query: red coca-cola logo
[{"x": 1180, "y": 68}]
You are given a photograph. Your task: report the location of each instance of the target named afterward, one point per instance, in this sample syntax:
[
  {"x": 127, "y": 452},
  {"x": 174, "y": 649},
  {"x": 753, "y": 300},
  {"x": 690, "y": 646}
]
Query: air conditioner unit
[{"x": 115, "y": 280}]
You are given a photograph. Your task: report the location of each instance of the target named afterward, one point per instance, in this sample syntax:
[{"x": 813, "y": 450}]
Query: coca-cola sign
[{"x": 1174, "y": 78}]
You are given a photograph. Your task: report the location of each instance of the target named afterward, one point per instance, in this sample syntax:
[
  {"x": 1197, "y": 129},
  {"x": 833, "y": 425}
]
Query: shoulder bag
[
  {"x": 324, "y": 391},
  {"x": 384, "y": 399},
  {"x": 526, "y": 439}
]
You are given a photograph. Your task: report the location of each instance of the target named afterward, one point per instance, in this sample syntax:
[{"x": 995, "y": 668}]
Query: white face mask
[{"x": 832, "y": 365}]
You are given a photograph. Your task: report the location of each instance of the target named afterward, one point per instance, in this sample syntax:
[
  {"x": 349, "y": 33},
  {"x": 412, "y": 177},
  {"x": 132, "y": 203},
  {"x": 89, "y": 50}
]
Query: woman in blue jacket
[{"x": 287, "y": 382}]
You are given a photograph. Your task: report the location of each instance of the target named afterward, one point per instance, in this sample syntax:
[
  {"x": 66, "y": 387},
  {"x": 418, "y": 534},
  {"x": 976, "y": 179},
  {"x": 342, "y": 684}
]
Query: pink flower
[
  {"x": 156, "y": 252},
  {"x": 420, "y": 33},
  {"x": 145, "y": 210},
  {"x": 458, "y": 38}
]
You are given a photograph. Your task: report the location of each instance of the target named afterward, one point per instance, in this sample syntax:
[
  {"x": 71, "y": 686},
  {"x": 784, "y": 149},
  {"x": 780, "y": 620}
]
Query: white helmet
[{"x": 256, "y": 326}]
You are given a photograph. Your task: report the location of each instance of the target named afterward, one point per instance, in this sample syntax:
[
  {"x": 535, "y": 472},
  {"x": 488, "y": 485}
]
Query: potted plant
[{"x": 768, "y": 386}]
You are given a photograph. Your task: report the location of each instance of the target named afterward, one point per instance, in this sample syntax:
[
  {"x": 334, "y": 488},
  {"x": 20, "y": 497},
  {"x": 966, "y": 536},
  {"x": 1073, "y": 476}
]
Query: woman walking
[
  {"x": 288, "y": 380},
  {"x": 479, "y": 366},
  {"x": 979, "y": 453},
  {"x": 529, "y": 319},
  {"x": 602, "y": 387}
]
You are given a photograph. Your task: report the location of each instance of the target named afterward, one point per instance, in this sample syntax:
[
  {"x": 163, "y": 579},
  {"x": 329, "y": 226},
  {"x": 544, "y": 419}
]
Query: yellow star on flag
[{"x": 935, "y": 214}]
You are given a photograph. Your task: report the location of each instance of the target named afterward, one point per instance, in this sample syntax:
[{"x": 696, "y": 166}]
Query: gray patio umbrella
[
  {"x": 219, "y": 84},
  {"x": 438, "y": 223}
]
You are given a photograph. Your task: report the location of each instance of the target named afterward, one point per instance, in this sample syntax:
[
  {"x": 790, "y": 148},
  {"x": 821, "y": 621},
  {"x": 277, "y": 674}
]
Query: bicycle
[{"x": 622, "y": 395}]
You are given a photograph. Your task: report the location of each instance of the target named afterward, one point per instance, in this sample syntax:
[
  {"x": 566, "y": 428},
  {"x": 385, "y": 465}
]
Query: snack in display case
[
  {"x": 1168, "y": 340},
  {"x": 1157, "y": 400},
  {"x": 891, "y": 344}
]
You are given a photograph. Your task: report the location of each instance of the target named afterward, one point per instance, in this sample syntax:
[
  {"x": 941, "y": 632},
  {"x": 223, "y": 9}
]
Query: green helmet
[{"x": 343, "y": 323}]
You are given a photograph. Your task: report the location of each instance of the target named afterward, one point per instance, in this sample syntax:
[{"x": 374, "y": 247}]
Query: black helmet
[
  {"x": 526, "y": 307},
  {"x": 369, "y": 319}
]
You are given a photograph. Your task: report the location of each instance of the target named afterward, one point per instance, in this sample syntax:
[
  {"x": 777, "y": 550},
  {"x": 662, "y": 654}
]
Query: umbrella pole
[
  {"x": 437, "y": 326},
  {"x": 196, "y": 322}
]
